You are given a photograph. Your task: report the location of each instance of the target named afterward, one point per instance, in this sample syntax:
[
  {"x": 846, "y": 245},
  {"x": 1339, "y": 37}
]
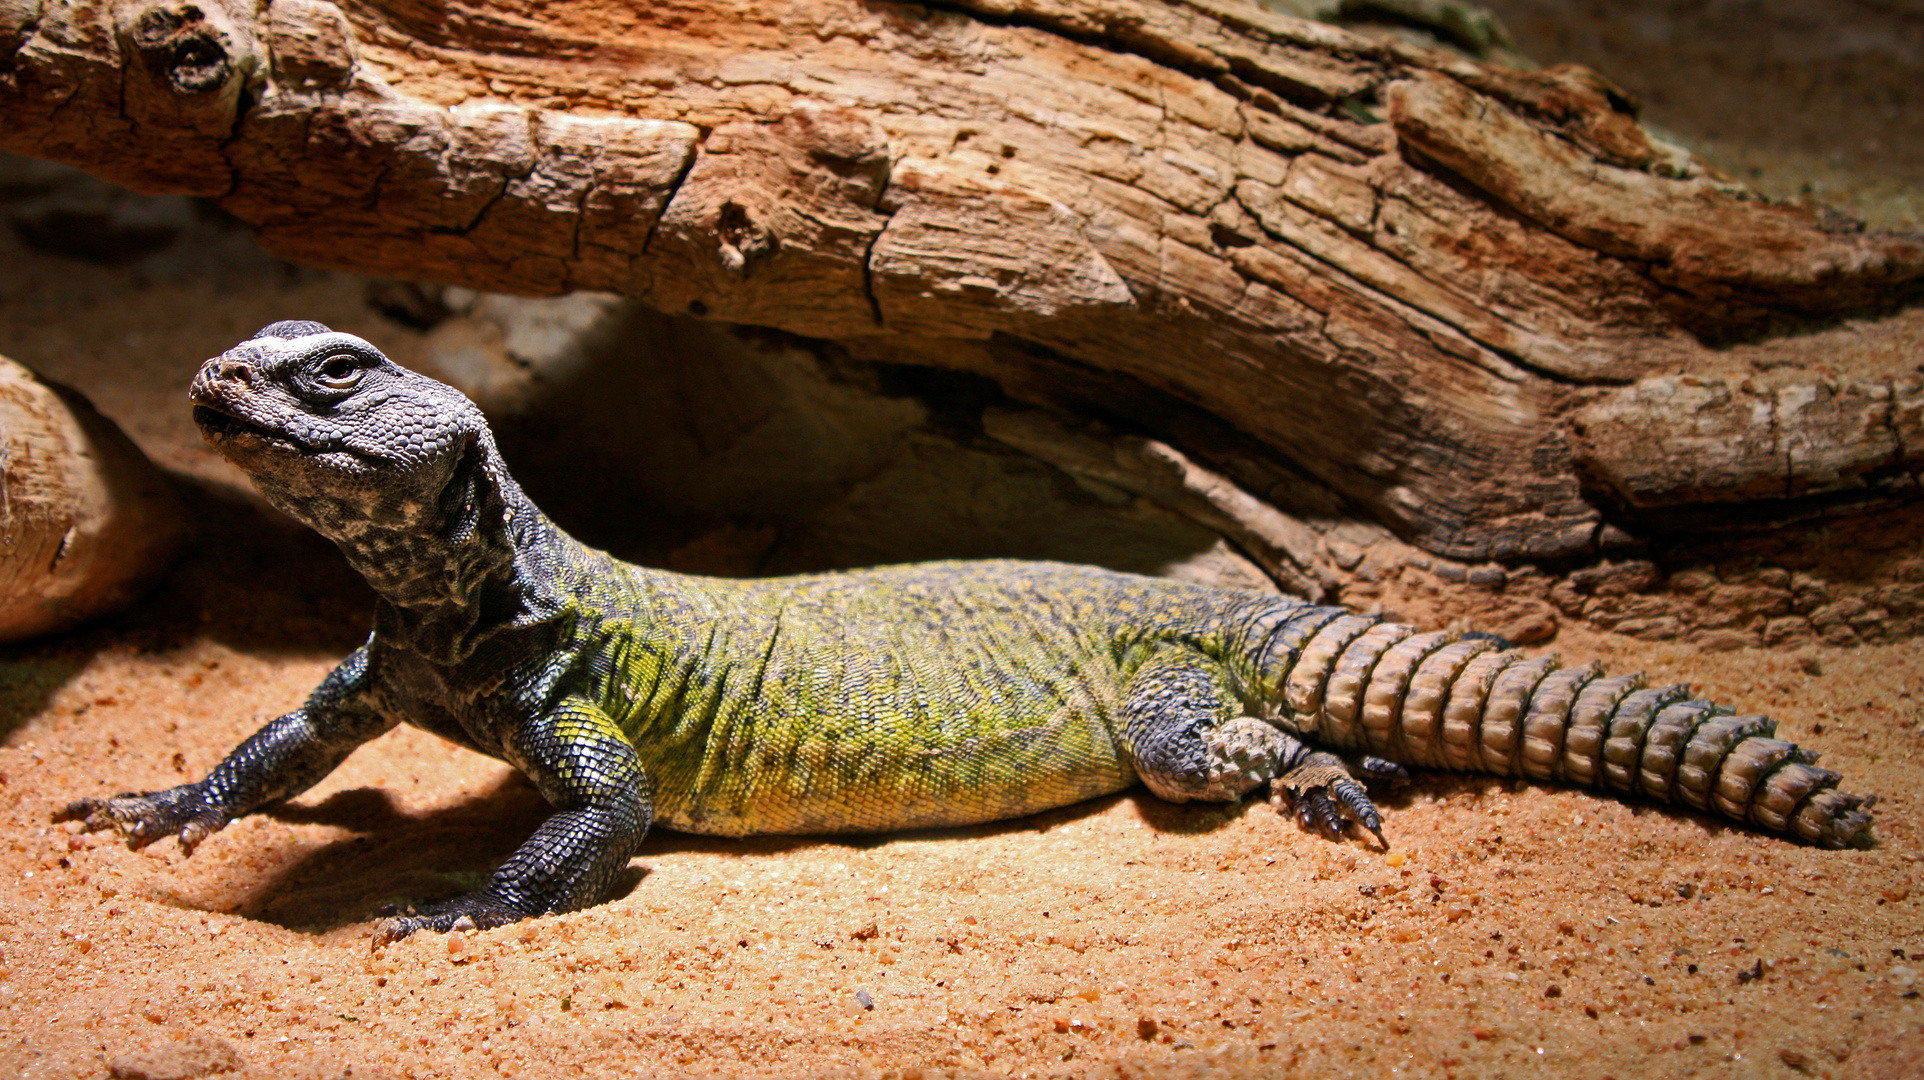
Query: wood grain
[{"x": 1436, "y": 289}]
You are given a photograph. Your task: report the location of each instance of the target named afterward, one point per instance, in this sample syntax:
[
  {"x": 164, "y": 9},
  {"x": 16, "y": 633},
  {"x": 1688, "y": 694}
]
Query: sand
[{"x": 1512, "y": 930}]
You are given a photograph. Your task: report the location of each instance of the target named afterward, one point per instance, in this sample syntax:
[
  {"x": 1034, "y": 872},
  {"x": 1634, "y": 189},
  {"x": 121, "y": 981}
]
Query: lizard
[{"x": 904, "y": 697}]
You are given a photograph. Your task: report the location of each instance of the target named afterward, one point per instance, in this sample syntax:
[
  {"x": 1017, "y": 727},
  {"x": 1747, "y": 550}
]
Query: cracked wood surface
[
  {"x": 1449, "y": 293},
  {"x": 86, "y": 521}
]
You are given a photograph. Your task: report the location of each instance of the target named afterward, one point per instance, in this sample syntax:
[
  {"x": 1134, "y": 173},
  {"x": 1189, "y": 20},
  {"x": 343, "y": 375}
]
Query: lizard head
[{"x": 341, "y": 437}]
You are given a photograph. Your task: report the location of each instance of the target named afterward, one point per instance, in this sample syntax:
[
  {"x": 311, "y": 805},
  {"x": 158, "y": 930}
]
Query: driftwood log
[
  {"x": 1316, "y": 274},
  {"x": 86, "y": 522}
]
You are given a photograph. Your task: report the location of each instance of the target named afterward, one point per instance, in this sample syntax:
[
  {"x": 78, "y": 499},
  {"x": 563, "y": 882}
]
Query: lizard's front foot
[
  {"x": 143, "y": 819},
  {"x": 1326, "y": 797},
  {"x": 479, "y": 910}
]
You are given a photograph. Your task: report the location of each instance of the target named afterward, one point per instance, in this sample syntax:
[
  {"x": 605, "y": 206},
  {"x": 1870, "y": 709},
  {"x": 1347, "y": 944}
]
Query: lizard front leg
[
  {"x": 281, "y": 760},
  {"x": 583, "y": 765}
]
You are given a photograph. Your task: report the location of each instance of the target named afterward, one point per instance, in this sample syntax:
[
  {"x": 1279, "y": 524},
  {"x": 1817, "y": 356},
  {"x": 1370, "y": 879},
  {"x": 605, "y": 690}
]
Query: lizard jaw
[{"x": 219, "y": 428}]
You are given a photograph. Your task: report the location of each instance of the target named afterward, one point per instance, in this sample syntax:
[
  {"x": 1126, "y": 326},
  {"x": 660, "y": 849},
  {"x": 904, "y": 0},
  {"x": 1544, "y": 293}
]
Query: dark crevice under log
[{"x": 1455, "y": 299}]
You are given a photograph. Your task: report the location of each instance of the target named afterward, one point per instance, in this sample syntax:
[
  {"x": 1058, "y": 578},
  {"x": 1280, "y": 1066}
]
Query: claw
[
  {"x": 1357, "y": 802},
  {"x": 191, "y": 836},
  {"x": 388, "y": 931},
  {"x": 93, "y": 814},
  {"x": 480, "y": 910},
  {"x": 1319, "y": 813},
  {"x": 1378, "y": 768}
]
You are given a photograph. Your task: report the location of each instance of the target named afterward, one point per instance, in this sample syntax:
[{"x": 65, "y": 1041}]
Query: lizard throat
[{"x": 455, "y": 575}]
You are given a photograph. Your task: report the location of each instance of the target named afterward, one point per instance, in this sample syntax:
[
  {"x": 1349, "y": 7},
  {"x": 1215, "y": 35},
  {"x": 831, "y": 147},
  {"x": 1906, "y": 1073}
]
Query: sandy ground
[{"x": 1513, "y": 930}]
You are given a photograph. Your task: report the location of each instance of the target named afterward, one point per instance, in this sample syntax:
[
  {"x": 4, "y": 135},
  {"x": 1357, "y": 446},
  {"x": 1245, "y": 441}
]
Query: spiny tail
[{"x": 1469, "y": 702}]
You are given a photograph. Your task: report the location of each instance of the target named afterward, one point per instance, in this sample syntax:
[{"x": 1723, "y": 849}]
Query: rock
[
  {"x": 1848, "y": 610},
  {"x": 507, "y": 352},
  {"x": 86, "y": 521},
  {"x": 1530, "y": 628},
  {"x": 1723, "y": 640},
  {"x": 1660, "y": 628},
  {"x": 1788, "y": 630},
  {"x": 409, "y": 303},
  {"x": 1616, "y": 578}
]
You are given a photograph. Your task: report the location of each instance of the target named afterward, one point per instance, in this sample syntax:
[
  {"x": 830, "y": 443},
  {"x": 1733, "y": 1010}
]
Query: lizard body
[{"x": 861, "y": 701}]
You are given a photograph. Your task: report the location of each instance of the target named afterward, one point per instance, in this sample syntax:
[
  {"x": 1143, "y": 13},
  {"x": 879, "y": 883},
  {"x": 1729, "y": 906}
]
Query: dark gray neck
[{"x": 474, "y": 562}]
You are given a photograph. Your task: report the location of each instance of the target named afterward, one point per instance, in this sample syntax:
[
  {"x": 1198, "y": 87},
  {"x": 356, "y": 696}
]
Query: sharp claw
[
  {"x": 1331, "y": 815},
  {"x": 1378, "y": 768}
]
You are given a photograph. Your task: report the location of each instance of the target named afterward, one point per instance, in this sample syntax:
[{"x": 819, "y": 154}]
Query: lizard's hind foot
[
  {"x": 1186, "y": 748},
  {"x": 1324, "y": 795}
]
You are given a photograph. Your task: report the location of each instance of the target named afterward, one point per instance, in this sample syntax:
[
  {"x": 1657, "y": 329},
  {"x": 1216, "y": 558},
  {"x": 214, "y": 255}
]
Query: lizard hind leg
[{"x": 1187, "y": 743}]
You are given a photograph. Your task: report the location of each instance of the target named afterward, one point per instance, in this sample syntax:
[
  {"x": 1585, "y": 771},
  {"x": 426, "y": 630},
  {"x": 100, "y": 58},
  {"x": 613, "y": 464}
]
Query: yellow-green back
[{"x": 901, "y": 697}]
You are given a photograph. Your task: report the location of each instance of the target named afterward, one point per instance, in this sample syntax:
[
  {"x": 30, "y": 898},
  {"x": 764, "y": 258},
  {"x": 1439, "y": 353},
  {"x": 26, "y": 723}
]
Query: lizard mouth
[{"x": 220, "y": 427}]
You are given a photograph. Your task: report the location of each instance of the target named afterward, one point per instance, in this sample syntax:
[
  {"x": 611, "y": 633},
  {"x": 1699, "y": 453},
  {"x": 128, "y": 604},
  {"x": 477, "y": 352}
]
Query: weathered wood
[
  {"x": 1289, "y": 551},
  {"x": 86, "y": 521},
  {"x": 1448, "y": 293},
  {"x": 1772, "y": 437}
]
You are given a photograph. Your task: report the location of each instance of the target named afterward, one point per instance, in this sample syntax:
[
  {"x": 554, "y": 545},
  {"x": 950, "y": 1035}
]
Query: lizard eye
[{"x": 338, "y": 372}]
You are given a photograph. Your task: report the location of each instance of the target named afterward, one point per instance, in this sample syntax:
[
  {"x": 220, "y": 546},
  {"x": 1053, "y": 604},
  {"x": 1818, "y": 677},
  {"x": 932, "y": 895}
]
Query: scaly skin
[{"x": 868, "y": 701}]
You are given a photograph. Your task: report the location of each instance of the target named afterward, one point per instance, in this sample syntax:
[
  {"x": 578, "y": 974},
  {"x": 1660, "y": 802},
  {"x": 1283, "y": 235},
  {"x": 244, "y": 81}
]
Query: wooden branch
[
  {"x": 88, "y": 522},
  {"x": 1460, "y": 297},
  {"x": 1289, "y": 551}
]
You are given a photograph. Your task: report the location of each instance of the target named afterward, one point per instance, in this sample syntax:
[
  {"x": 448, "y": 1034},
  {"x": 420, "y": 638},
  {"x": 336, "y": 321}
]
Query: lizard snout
[{"x": 219, "y": 378}]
